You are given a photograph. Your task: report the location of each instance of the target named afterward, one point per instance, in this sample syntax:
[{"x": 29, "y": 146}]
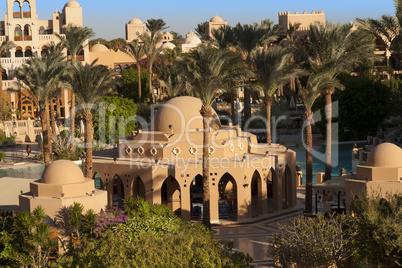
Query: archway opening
[
  {"x": 227, "y": 203},
  {"x": 17, "y": 33},
  {"x": 171, "y": 195},
  {"x": 26, "y": 10},
  {"x": 256, "y": 194},
  {"x": 196, "y": 191},
  {"x": 286, "y": 187},
  {"x": 270, "y": 190},
  {"x": 16, "y": 10},
  {"x": 4, "y": 75},
  {"x": 28, "y": 51},
  {"x": 138, "y": 188},
  {"x": 27, "y": 32},
  {"x": 18, "y": 52},
  {"x": 97, "y": 181},
  {"x": 118, "y": 191},
  {"x": 42, "y": 30}
]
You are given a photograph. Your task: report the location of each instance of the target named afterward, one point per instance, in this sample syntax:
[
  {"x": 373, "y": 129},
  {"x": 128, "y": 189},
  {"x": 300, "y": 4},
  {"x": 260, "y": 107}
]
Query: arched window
[
  {"x": 4, "y": 75},
  {"x": 49, "y": 30},
  {"x": 16, "y": 10},
  {"x": 27, "y": 33},
  {"x": 118, "y": 70},
  {"x": 26, "y": 10},
  {"x": 42, "y": 30},
  {"x": 18, "y": 52},
  {"x": 17, "y": 33},
  {"x": 44, "y": 51},
  {"x": 28, "y": 52}
]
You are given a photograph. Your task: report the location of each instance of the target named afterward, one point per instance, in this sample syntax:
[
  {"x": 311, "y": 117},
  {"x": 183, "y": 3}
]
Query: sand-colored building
[
  {"x": 163, "y": 164},
  {"x": 191, "y": 41},
  {"x": 215, "y": 22},
  {"x": 31, "y": 35},
  {"x": 305, "y": 19},
  {"x": 62, "y": 184}
]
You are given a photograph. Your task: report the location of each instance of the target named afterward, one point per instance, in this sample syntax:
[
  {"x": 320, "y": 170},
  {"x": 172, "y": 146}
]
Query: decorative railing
[{"x": 19, "y": 60}]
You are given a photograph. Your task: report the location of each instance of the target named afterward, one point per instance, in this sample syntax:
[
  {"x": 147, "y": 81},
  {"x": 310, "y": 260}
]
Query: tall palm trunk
[
  {"x": 52, "y": 119},
  {"x": 232, "y": 105},
  {"x": 247, "y": 105},
  {"x": 88, "y": 143},
  {"x": 46, "y": 136},
  {"x": 139, "y": 81},
  {"x": 72, "y": 122},
  {"x": 309, "y": 165},
  {"x": 151, "y": 91},
  {"x": 206, "y": 113},
  {"x": 268, "y": 104},
  {"x": 328, "y": 150}
]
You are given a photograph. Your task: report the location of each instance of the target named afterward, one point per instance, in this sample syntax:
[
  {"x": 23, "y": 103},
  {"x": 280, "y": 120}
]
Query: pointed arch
[
  {"x": 138, "y": 188},
  {"x": 287, "y": 187},
  {"x": 256, "y": 194},
  {"x": 27, "y": 32},
  {"x": 17, "y": 10},
  {"x": 271, "y": 184},
  {"x": 97, "y": 181},
  {"x": 196, "y": 192},
  {"x": 26, "y": 9},
  {"x": 171, "y": 194},
  {"x": 17, "y": 33},
  {"x": 228, "y": 197},
  {"x": 118, "y": 191}
]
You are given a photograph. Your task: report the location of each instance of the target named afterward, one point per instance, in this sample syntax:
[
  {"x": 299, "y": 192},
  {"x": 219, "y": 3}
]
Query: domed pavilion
[
  {"x": 62, "y": 183},
  {"x": 163, "y": 164}
]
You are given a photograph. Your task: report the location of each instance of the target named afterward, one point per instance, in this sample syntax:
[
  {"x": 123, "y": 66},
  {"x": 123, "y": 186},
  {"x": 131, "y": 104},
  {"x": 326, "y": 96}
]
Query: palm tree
[
  {"x": 89, "y": 82},
  {"x": 334, "y": 48},
  {"x": 207, "y": 71},
  {"x": 202, "y": 31},
  {"x": 40, "y": 76},
  {"x": 315, "y": 84},
  {"x": 136, "y": 52},
  {"x": 74, "y": 40},
  {"x": 152, "y": 51},
  {"x": 4, "y": 48},
  {"x": 223, "y": 37},
  {"x": 247, "y": 38},
  {"x": 272, "y": 66},
  {"x": 170, "y": 78}
]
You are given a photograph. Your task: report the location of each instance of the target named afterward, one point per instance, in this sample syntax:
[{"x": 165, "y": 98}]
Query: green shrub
[{"x": 1, "y": 156}]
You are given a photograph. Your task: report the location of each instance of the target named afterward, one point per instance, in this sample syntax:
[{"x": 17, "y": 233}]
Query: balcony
[
  {"x": 48, "y": 37},
  {"x": 27, "y": 37},
  {"x": 17, "y": 38}
]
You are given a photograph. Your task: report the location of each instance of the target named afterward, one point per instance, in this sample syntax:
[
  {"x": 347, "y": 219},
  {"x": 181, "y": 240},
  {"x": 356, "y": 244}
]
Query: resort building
[
  {"x": 163, "y": 164},
  {"x": 191, "y": 41},
  {"x": 215, "y": 22},
  {"x": 305, "y": 19},
  {"x": 31, "y": 35}
]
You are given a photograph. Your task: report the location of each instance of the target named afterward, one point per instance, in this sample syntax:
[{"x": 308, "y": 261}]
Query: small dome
[
  {"x": 385, "y": 155},
  {"x": 192, "y": 40},
  {"x": 168, "y": 45},
  {"x": 62, "y": 172},
  {"x": 72, "y": 3},
  {"x": 98, "y": 48},
  {"x": 183, "y": 114},
  {"x": 216, "y": 19},
  {"x": 135, "y": 21}
]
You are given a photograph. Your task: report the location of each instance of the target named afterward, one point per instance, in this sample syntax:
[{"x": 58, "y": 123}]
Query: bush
[
  {"x": 1, "y": 156},
  {"x": 130, "y": 84}
]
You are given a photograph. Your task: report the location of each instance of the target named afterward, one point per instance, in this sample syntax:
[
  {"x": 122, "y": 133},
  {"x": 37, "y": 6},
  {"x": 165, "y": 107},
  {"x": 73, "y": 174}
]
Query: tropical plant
[
  {"x": 40, "y": 76},
  {"x": 171, "y": 79},
  {"x": 5, "y": 108},
  {"x": 89, "y": 82},
  {"x": 136, "y": 51},
  {"x": 223, "y": 37},
  {"x": 74, "y": 40},
  {"x": 334, "y": 48},
  {"x": 272, "y": 68},
  {"x": 201, "y": 30},
  {"x": 207, "y": 71},
  {"x": 310, "y": 92},
  {"x": 4, "y": 48},
  {"x": 130, "y": 84}
]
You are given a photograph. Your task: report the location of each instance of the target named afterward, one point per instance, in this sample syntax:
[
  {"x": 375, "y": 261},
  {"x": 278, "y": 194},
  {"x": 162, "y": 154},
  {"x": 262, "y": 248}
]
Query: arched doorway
[
  {"x": 171, "y": 195},
  {"x": 97, "y": 181},
  {"x": 227, "y": 203},
  {"x": 286, "y": 187},
  {"x": 270, "y": 190},
  {"x": 118, "y": 191},
  {"x": 28, "y": 51},
  {"x": 138, "y": 188},
  {"x": 27, "y": 109},
  {"x": 18, "y": 52},
  {"x": 196, "y": 191},
  {"x": 256, "y": 194}
]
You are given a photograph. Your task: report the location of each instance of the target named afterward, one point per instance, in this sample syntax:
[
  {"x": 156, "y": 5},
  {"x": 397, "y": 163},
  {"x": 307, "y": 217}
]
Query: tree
[
  {"x": 170, "y": 78},
  {"x": 310, "y": 92},
  {"x": 152, "y": 47},
  {"x": 272, "y": 66},
  {"x": 247, "y": 38},
  {"x": 4, "y": 48},
  {"x": 74, "y": 40},
  {"x": 40, "y": 76},
  {"x": 130, "y": 84},
  {"x": 334, "y": 48},
  {"x": 201, "y": 30},
  {"x": 223, "y": 37},
  {"x": 89, "y": 83},
  {"x": 118, "y": 43},
  {"x": 136, "y": 51},
  {"x": 207, "y": 71},
  {"x": 5, "y": 108},
  {"x": 119, "y": 121}
]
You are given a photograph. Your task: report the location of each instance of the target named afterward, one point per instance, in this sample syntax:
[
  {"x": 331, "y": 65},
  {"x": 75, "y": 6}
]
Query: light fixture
[{"x": 62, "y": 194}]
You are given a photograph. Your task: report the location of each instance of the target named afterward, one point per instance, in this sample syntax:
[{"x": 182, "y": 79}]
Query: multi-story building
[{"x": 31, "y": 35}]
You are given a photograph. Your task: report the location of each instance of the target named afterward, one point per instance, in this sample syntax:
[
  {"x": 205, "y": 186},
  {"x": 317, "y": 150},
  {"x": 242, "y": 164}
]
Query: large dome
[
  {"x": 216, "y": 19},
  {"x": 385, "y": 155},
  {"x": 135, "y": 21},
  {"x": 72, "y": 3},
  {"x": 168, "y": 45},
  {"x": 192, "y": 40},
  {"x": 183, "y": 114},
  {"x": 62, "y": 172},
  {"x": 98, "y": 48}
]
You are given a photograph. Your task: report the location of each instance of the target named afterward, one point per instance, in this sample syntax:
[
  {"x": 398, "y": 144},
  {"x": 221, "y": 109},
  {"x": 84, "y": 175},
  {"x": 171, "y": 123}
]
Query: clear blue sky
[{"x": 108, "y": 18}]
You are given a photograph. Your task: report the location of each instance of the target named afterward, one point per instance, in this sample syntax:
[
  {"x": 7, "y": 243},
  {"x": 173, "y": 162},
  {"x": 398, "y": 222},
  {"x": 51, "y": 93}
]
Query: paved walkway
[
  {"x": 252, "y": 238},
  {"x": 17, "y": 155}
]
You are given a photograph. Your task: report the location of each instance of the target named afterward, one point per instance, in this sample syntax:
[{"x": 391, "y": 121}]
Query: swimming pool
[
  {"x": 341, "y": 158},
  {"x": 30, "y": 172}
]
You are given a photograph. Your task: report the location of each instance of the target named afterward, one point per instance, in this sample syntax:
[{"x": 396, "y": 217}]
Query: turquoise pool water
[
  {"x": 341, "y": 158},
  {"x": 32, "y": 172}
]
